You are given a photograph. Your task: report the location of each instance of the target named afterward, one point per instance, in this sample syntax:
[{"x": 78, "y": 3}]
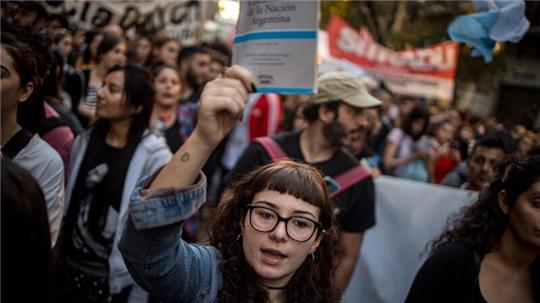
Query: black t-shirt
[
  {"x": 355, "y": 207},
  {"x": 96, "y": 200},
  {"x": 172, "y": 135},
  {"x": 450, "y": 275}
]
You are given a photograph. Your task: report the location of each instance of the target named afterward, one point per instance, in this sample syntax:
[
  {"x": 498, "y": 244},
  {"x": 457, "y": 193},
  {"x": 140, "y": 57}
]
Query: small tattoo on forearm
[{"x": 185, "y": 157}]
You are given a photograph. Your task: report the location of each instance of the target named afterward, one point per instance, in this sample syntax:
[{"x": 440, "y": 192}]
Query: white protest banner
[
  {"x": 409, "y": 215},
  {"x": 277, "y": 42},
  {"x": 426, "y": 72},
  {"x": 180, "y": 19}
]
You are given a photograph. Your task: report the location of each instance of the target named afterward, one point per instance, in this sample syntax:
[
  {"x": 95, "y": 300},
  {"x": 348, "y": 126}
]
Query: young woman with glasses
[{"x": 273, "y": 239}]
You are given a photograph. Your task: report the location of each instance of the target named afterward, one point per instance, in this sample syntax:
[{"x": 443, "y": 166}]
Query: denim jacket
[{"x": 155, "y": 254}]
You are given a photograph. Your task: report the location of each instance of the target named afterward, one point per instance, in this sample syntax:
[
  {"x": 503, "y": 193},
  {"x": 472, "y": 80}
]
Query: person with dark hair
[
  {"x": 293, "y": 115},
  {"x": 27, "y": 261},
  {"x": 221, "y": 57},
  {"x": 19, "y": 81},
  {"x": 86, "y": 59},
  {"x": 166, "y": 51},
  {"x": 58, "y": 123},
  {"x": 524, "y": 145},
  {"x": 142, "y": 51},
  {"x": 273, "y": 239},
  {"x": 106, "y": 162},
  {"x": 338, "y": 109},
  {"x": 35, "y": 115},
  {"x": 442, "y": 157},
  {"x": 480, "y": 168},
  {"x": 401, "y": 157},
  {"x": 194, "y": 66},
  {"x": 168, "y": 89},
  {"x": 30, "y": 15},
  {"x": 388, "y": 122},
  {"x": 78, "y": 41},
  {"x": 63, "y": 42},
  {"x": 194, "y": 63},
  {"x": 65, "y": 82},
  {"x": 111, "y": 51},
  {"x": 491, "y": 253}
]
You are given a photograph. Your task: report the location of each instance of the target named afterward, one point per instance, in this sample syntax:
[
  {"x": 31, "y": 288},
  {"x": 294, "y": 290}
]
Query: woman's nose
[{"x": 280, "y": 232}]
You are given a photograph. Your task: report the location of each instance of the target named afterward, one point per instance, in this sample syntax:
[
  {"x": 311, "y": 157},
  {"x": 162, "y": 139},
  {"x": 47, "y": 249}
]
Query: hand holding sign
[
  {"x": 222, "y": 103},
  {"x": 277, "y": 42}
]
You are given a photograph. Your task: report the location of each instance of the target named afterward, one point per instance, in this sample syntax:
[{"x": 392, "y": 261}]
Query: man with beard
[
  {"x": 194, "y": 67},
  {"x": 337, "y": 110},
  {"x": 30, "y": 15},
  {"x": 480, "y": 168}
]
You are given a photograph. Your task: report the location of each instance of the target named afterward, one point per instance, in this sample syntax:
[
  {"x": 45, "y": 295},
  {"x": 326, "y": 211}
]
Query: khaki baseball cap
[{"x": 334, "y": 86}]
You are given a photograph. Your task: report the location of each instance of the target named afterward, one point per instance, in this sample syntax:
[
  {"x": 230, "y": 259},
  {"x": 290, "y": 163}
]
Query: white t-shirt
[{"x": 46, "y": 166}]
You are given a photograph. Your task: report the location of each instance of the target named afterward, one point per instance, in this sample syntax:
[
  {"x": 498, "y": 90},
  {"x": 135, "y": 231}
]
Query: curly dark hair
[
  {"x": 313, "y": 280},
  {"x": 483, "y": 223}
]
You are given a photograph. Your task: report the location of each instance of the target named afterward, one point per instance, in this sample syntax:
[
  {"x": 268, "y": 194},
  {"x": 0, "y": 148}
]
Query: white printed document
[{"x": 277, "y": 42}]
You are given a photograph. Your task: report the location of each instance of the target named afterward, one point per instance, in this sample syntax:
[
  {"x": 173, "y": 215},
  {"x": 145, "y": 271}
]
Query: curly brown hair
[
  {"x": 313, "y": 280},
  {"x": 483, "y": 223}
]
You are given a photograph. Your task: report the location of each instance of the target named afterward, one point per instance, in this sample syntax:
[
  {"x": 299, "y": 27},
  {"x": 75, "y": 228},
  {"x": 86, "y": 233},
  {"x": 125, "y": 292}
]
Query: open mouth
[{"x": 272, "y": 256}]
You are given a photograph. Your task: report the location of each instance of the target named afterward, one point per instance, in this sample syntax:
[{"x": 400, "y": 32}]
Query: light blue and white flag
[{"x": 496, "y": 20}]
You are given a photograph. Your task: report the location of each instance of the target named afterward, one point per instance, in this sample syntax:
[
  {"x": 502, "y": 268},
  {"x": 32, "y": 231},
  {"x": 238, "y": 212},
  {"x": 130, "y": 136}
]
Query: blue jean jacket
[{"x": 155, "y": 254}]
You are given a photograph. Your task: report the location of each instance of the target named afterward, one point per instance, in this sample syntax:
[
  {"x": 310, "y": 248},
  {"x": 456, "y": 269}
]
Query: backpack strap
[
  {"x": 51, "y": 123},
  {"x": 350, "y": 178},
  {"x": 16, "y": 143},
  {"x": 272, "y": 148},
  {"x": 345, "y": 180}
]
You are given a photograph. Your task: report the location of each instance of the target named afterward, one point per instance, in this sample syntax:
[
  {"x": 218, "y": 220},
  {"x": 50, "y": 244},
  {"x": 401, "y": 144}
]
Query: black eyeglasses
[{"x": 298, "y": 228}]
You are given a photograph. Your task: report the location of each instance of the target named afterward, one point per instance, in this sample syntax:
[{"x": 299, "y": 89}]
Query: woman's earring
[
  {"x": 313, "y": 256},
  {"x": 239, "y": 235}
]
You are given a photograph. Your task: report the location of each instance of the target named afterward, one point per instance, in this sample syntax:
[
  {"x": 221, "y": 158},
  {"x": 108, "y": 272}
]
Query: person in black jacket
[{"x": 492, "y": 252}]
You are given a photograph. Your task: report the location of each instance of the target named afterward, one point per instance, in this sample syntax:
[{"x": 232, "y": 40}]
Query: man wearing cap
[{"x": 337, "y": 110}]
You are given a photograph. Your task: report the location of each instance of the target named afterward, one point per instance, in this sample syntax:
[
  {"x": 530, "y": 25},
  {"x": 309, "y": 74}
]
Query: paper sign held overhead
[{"x": 277, "y": 42}]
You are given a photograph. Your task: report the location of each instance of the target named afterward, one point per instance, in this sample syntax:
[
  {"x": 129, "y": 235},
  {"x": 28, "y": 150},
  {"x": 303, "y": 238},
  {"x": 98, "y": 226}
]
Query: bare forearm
[
  {"x": 222, "y": 102},
  {"x": 394, "y": 163},
  {"x": 185, "y": 165},
  {"x": 389, "y": 159}
]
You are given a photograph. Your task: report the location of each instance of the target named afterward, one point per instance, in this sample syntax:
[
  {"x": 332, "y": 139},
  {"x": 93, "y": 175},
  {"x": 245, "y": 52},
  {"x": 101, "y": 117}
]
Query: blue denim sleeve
[{"x": 155, "y": 254}]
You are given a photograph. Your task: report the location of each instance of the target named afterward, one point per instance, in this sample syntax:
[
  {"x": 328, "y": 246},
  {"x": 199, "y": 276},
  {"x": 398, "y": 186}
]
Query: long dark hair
[
  {"x": 108, "y": 43},
  {"x": 483, "y": 223},
  {"x": 418, "y": 113},
  {"x": 313, "y": 280},
  {"x": 27, "y": 262},
  {"x": 87, "y": 55},
  {"x": 138, "y": 91},
  {"x": 157, "y": 44}
]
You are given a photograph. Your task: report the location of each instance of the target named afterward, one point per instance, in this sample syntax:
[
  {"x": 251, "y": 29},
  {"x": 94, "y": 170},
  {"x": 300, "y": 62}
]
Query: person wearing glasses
[
  {"x": 273, "y": 239},
  {"x": 339, "y": 108}
]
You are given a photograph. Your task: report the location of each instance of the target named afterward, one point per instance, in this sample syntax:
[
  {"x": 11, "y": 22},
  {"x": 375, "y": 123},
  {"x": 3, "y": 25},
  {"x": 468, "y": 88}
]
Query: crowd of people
[{"x": 138, "y": 169}]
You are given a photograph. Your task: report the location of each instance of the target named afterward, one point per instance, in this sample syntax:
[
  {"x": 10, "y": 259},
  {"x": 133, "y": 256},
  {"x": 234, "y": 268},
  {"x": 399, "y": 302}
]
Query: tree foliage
[{"x": 401, "y": 25}]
